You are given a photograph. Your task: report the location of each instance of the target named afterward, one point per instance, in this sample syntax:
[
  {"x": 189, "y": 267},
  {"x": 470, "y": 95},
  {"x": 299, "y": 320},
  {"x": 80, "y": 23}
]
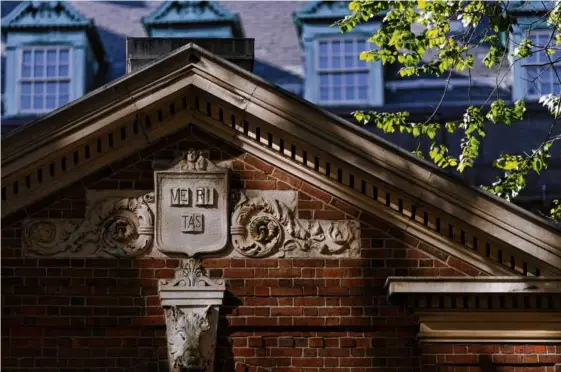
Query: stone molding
[
  {"x": 191, "y": 303},
  {"x": 482, "y": 309},
  {"x": 265, "y": 227},
  {"x": 407, "y": 286},
  {"x": 489, "y": 327},
  {"x": 114, "y": 227},
  {"x": 265, "y": 224}
]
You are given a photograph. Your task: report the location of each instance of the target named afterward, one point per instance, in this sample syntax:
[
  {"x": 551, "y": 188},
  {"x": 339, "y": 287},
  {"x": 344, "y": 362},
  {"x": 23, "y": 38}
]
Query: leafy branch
[{"x": 434, "y": 49}]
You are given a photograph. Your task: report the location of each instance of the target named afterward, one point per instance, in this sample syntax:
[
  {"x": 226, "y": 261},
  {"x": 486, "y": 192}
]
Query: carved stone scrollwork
[
  {"x": 116, "y": 227},
  {"x": 264, "y": 227},
  {"x": 191, "y": 274}
]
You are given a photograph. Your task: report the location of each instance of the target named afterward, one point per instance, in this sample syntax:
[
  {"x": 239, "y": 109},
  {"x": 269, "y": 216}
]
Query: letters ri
[{"x": 191, "y": 197}]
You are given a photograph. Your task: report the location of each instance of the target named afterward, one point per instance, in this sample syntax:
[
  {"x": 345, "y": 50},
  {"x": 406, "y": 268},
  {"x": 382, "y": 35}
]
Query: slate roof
[{"x": 278, "y": 53}]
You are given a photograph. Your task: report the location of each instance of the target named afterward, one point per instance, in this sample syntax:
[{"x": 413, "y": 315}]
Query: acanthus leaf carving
[
  {"x": 264, "y": 227},
  {"x": 191, "y": 274},
  {"x": 184, "y": 336},
  {"x": 116, "y": 226}
]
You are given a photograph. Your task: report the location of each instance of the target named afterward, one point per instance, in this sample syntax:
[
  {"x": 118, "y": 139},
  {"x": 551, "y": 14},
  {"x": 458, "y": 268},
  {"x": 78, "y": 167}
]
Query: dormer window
[
  {"x": 45, "y": 78},
  {"x": 335, "y": 76},
  {"x": 53, "y": 55},
  {"x": 343, "y": 77},
  {"x": 540, "y": 76}
]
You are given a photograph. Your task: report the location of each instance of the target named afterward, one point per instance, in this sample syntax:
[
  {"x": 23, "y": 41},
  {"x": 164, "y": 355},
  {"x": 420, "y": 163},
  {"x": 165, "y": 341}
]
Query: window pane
[
  {"x": 545, "y": 81},
  {"x": 38, "y": 88},
  {"x": 323, "y": 80},
  {"x": 37, "y": 102},
  {"x": 25, "y": 102},
  {"x": 531, "y": 73},
  {"x": 51, "y": 71},
  {"x": 350, "y": 92},
  {"x": 336, "y": 61},
  {"x": 51, "y": 57},
  {"x": 63, "y": 70},
  {"x": 26, "y": 71},
  {"x": 361, "y": 44},
  {"x": 51, "y": 102},
  {"x": 349, "y": 79},
  {"x": 361, "y": 64},
  {"x": 63, "y": 99},
  {"x": 324, "y": 93},
  {"x": 349, "y": 60},
  {"x": 63, "y": 88},
  {"x": 26, "y": 58},
  {"x": 51, "y": 88},
  {"x": 533, "y": 58},
  {"x": 349, "y": 47},
  {"x": 362, "y": 93},
  {"x": 323, "y": 62},
  {"x": 336, "y": 47},
  {"x": 63, "y": 56},
  {"x": 337, "y": 94},
  {"x": 337, "y": 80},
  {"x": 362, "y": 78},
  {"x": 26, "y": 88},
  {"x": 39, "y": 65},
  {"x": 323, "y": 48}
]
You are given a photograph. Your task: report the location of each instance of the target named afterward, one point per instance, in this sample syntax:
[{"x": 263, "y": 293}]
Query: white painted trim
[
  {"x": 319, "y": 71},
  {"x": 20, "y": 79}
]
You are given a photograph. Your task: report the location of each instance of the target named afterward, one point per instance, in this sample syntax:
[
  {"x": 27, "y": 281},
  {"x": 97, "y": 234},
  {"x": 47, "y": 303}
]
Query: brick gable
[{"x": 279, "y": 314}]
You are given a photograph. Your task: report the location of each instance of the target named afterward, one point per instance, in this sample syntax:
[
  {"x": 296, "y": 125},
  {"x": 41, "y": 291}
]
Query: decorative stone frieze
[
  {"x": 263, "y": 227},
  {"x": 191, "y": 303},
  {"x": 113, "y": 227}
]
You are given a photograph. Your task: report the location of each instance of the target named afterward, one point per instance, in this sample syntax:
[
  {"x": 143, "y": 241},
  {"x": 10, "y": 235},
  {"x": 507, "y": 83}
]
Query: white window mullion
[
  {"x": 33, "y": 81},
  {"x": 348, "y": 89}
]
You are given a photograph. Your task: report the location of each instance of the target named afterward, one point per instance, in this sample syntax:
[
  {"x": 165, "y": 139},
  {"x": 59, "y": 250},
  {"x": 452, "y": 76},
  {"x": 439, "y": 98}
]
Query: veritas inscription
[{"x": 191, "y": 204}]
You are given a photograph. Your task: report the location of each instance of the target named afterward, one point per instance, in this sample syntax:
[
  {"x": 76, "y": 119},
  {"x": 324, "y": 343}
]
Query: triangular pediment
[
  {"x": 318, "y": 10},
  {"x": 192, "y": 86},
  {"x": 192, "y": 12},
  {"x": 41, "y": 14}
]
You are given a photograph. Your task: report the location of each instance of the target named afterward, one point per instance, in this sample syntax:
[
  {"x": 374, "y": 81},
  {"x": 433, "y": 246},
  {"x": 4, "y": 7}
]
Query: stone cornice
[
  {"x": 478, "y": 294},
  {"x": 247, "y": 111},
  {"x": 482, "y": 309},
  {"x": 406, "y": 286}
]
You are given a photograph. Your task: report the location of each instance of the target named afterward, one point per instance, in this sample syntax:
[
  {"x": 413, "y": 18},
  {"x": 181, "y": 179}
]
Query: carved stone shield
[{"x": 191, "y": 206}]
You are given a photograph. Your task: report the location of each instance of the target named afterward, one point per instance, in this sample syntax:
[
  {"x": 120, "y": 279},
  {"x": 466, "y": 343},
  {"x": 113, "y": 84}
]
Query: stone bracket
[{"x": 191, "y": 303}]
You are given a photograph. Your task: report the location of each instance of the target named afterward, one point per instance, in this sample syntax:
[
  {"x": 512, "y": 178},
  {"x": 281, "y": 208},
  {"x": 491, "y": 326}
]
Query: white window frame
[
  {"x": 21, "y": 79},
  {"x": 527, "y": 79},
  {"x": 319, "y": 71}
]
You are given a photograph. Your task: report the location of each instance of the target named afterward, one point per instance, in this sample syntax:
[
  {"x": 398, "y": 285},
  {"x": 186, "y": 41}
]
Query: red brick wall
[
  {"x": 279, "y": 314},
  {"x": 491, "y": 358}
]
